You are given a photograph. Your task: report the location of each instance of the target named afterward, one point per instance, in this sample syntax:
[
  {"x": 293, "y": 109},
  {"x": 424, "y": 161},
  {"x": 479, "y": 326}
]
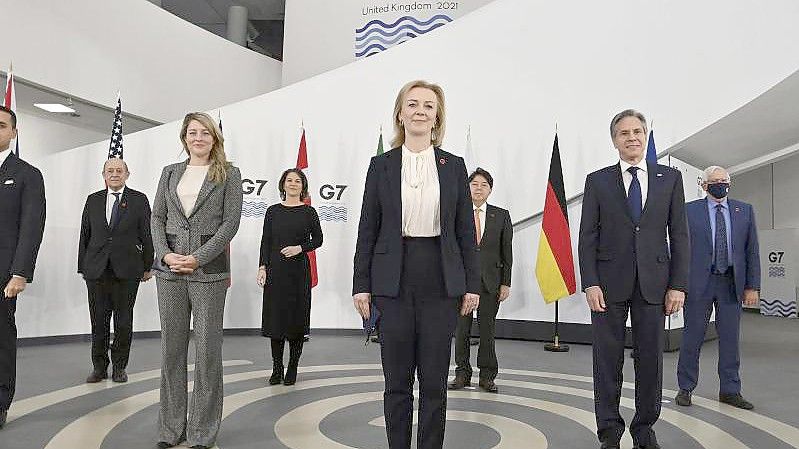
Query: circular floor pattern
[{"x": 340, "y": 407}]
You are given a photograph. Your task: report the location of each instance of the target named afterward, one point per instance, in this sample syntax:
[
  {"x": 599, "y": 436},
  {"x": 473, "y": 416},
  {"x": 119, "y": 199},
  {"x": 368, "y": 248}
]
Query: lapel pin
[
  {"x": 442, "y": 161},
  {"x": 123, "y": 204},
  {"x": 9, "y": 182}
]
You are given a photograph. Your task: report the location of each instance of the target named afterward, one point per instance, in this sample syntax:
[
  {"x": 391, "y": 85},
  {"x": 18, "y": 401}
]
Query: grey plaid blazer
[{"x": 205, "y": 233}]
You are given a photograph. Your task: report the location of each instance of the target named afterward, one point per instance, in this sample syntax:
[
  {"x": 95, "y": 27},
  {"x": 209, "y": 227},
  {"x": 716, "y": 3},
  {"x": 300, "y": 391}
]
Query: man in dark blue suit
[
  {"x": 725, "y": 271},
  {"x": 627, "y": 266},
  {"x": 22, "y": 212}
]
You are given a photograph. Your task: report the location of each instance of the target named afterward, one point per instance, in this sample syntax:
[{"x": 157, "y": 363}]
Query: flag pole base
[{"x": 556, "y": 347}]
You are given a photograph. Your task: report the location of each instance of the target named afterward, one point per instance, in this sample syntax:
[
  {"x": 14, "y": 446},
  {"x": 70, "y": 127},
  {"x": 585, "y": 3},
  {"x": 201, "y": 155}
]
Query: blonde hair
[
  {"x": 217, "y": 172},
  {"x": 437, "y": 136}
]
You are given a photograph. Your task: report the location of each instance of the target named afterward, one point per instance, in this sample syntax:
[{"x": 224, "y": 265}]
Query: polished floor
[{"x": 545, "y": 399}]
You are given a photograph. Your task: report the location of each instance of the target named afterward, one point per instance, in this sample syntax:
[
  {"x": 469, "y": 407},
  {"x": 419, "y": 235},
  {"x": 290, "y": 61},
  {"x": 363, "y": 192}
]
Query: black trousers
[
  {"x": 486, "y": 353},
  {"x": 110, "y": 296},
  {"x": 609, "y": 329},
  {"x": 8, "y": 349},
  {"x": 416, "y": 331}
]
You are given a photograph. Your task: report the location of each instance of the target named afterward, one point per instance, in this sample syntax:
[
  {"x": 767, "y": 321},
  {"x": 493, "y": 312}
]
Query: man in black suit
[
  {"x": 494, "y": 235},
  {"x": 114, "y": 254},
  {"x": 22, "y": 211},
  {"x": 627, "y": 266}
]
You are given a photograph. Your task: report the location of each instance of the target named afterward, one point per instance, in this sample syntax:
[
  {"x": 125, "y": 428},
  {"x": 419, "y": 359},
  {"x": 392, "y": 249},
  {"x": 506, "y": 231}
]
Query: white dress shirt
[
  {"x": 189, "y": 186},
  {"x": 420, "y": 194},
  {"x": 642, "y": 175},
  {"x": 109, "y": 202},
  {"x": 4, "y": 155},
  {"x": 482, "y": 216}
]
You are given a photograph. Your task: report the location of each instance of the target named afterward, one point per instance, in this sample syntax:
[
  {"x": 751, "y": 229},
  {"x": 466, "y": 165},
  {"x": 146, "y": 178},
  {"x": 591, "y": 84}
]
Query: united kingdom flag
[{"x": 115, "y": 148}]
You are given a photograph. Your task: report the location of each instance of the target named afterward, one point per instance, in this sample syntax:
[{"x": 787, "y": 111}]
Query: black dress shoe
[
  {"x": 96, "y": 376},
  {"x": 647, "y": 446},
  {"x": 489, "y": 386},
  {"x": 199, "y": 446},
  {"x": 119, "y": 376},
  {"x": 164, "y": 445},
  {"x": 459, "y": 382},
  {"x": 736, "y": 400},
  {"x": 609, "y": 445},
  {"x": 3, "y": 418},
  {"x": 683, "y": 398}
]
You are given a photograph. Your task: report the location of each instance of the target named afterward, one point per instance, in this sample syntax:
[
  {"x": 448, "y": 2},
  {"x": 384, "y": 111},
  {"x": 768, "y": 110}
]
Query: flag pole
[{"x": 555, "y": 346}]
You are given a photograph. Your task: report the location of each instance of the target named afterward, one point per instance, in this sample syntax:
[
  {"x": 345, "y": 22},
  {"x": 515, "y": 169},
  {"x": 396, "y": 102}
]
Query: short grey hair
[
  {"x": 623, "y": 114},
  {"x": 712, "y": 169},
  {"x": 125, "y": 164}
]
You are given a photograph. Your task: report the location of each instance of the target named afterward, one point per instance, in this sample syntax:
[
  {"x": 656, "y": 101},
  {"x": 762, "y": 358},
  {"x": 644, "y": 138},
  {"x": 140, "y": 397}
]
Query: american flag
[{"x": 115, "y": 148}]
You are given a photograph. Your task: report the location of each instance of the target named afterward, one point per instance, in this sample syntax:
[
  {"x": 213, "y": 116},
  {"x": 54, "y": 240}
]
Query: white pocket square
[
  {"x": 659, "y": 174},
  {"x": 9, "y": 182}
]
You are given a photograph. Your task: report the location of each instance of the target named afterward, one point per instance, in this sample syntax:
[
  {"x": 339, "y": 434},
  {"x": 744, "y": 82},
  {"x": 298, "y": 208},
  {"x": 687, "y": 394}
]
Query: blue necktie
[
  {"x": 634, "y": 196},
  {"x": 722, "y": 260},
  {"x": 114, "y": 211}
]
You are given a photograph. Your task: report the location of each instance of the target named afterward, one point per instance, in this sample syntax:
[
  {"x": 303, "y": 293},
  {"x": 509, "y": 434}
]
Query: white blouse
[
  {"x": 420, "y": 194},
  {"x": 189, "y": 186}
]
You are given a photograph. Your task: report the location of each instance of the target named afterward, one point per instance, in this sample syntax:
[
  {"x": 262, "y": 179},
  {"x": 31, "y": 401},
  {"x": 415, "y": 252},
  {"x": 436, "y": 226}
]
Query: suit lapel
[
  {"x": 735, "y": 215},
  {"x": 205, "y": 191},
  {"x": 617, "y": 184},
  {"x": 393, "y": 173},
  {"x": 123, "y": 208},
  {"x": 653, "y": 187},
  {"x": 174, "y": 179},
  {"x": 9, "y": 167},
  {"x": 704, "y": 218},
  {"x": 491, "y": 221},
  {"x": 444, "y": 185}
]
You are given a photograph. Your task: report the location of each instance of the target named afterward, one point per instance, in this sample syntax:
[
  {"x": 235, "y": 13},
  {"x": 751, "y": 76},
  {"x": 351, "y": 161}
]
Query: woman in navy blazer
[{"x": 416, "y": 262}]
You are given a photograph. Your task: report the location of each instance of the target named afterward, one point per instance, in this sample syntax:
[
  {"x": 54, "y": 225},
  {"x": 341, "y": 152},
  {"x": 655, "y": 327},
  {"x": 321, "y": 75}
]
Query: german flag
[{"x": 554, "y": 267}]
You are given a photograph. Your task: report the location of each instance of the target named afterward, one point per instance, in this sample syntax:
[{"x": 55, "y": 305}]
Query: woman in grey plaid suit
[{"x": 196, "y": 213}]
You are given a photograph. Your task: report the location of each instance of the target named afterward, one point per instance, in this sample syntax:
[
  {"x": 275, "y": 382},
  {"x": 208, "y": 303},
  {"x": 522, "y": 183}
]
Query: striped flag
[
  {"x": 651, "y": 151},
  {"x": 469, "y": 156},
  {"x": 10, "y": 101},
  {"x": 115, "y": 146},
  {"x": 302, "y": 164},
  {"x": 554, "y": 267}
]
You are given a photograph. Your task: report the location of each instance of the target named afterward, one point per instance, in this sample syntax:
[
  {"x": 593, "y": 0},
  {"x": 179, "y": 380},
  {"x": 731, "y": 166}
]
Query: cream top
[
  {"x": 420, "y": 194},
  {"x": 189, "y": 186}
]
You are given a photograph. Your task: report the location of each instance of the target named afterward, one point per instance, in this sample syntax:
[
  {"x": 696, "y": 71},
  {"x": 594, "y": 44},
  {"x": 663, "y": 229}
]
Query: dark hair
[
  {"x": 281, "y": 185},
  {"x": 624, "y": 114},
  {"x": 485, "y": 174},
  {"x": 12, "y": 114}
]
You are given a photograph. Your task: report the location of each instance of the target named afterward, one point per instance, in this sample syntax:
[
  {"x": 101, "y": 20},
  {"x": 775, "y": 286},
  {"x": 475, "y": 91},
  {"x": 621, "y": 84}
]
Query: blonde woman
[
  {"x": 196, "y": 212},
  {"x": 416, "y": 262}
]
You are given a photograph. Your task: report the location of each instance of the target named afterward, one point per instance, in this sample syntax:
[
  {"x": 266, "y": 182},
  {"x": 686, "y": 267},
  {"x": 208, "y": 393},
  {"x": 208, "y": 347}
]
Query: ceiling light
[{"x": 54, "y": 107}]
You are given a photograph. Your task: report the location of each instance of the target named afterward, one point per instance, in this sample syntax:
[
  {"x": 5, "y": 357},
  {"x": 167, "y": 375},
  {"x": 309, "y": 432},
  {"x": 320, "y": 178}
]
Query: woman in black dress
[{"x": 291, "y": 230}]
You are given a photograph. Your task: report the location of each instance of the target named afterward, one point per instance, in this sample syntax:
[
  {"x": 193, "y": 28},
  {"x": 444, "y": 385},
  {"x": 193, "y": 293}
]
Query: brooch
[{"x": 442, "y": 161}]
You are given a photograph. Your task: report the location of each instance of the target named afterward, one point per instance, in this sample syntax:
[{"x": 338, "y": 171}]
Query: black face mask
[{"x": 718, "y": 190}]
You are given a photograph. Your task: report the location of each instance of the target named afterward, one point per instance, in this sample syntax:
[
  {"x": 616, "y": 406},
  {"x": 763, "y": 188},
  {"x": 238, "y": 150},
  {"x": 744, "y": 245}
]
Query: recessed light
[{"x": 54, "y": 107}]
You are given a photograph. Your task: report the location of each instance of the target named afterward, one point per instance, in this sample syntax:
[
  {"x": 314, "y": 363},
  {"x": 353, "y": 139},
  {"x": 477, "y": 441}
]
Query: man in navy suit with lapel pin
[
  {"x": 628, "y": 267},
  {"x": 22, "y": 212},
  {"x": 115, "y": 253},
  {"x": 725, "y": 272}
]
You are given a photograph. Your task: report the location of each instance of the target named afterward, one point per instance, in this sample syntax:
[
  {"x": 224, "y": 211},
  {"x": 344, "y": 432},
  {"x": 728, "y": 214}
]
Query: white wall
[
  {"x": 510, "y": 86},
  {"x": 163, "y": 65},
  {"x": 40, "y": 135},
  {"x": 772, "y": 190},
  {"x": 319, "y": 35}
]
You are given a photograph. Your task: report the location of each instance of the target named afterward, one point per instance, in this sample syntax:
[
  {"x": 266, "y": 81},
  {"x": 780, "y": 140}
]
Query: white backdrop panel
[{"x": 510, "y": 70}]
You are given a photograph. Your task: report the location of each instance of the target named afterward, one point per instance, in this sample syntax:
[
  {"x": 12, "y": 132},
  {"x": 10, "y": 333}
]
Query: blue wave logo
[
  {"x": 332, "y": 213},
  {"x": 775, "y": 307},
  {"x": 377, "y": 35},
  {"x": 253, "y": 209}
]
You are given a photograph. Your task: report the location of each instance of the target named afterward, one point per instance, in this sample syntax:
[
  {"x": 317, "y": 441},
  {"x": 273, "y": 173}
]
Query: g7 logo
[
  {"x": 328, "y": 191},
  {"x": 249, "y": 186},
  {"x": 776, "y": 256}
]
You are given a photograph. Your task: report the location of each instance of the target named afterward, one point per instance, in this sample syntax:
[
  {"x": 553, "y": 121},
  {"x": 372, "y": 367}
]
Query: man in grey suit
[
  {"x": 494, "y": 235},
  {"x": 627, "y": 267},
  {"x": 22, "y": 212}
]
